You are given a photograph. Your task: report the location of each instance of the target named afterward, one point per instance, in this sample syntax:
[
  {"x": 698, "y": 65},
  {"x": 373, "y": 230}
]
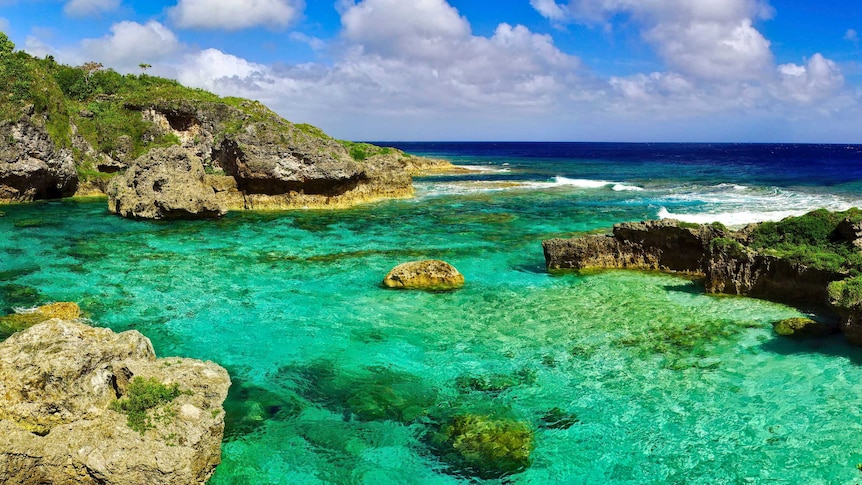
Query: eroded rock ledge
[
  {"x": 731, "y": 262},
  {"x": 57, "y": 382}
]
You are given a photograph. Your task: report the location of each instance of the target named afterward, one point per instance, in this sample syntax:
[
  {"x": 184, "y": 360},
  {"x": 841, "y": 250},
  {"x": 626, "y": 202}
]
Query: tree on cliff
[{"x": 6, "y": 45}]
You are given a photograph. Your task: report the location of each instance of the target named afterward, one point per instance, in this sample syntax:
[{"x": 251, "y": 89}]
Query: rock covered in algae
[
  {"x": 432, "y": 275},
  {"x": 484, "y": 446},
  {"x": 57, "y": 382},
  {"x": 166, "y": 183},
  {"x": 24, "y": 319},
  {"x": 802, "y": 327}
]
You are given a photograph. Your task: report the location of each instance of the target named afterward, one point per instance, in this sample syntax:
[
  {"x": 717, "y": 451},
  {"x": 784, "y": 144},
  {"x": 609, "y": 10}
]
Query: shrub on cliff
[
  {"x": 847, "y": 293},
  {"x": 811, "y": 240},
  {"x": 142, "y": 396}
]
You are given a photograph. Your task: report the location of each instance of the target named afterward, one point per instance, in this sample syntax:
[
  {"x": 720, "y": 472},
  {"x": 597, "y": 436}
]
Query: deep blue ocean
[{"x": 619, "y": 377}]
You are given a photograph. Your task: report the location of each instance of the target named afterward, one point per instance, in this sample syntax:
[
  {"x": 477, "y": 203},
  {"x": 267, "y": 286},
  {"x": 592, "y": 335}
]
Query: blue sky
[{"x": 591, "y": 70}]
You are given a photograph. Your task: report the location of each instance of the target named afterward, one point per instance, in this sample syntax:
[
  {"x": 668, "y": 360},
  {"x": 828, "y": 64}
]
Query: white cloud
[
  {"x": 313, "y": 42},
  {"x": 707, "y": 39},
  {"x": 4, "y": 24},
  {"x": 418, "y": 29},
  {"x": 819, "y": 79},
  {"x": 214, "y": 70},
  {"x": 84, "y": 8},
  {"x": 131, "y": 43},
  {"x": 235, "y": 14},
  {"x": 549, "y": 9},
  {"x": 851, "y": 35},
  {"x": 36, "y": 47}
]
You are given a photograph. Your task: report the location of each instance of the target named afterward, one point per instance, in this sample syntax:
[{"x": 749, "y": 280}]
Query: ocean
[{"x": 621, "y": 377}]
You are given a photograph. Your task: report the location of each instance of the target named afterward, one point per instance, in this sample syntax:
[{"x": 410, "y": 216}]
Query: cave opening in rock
[{"x": 181, "y": 121}]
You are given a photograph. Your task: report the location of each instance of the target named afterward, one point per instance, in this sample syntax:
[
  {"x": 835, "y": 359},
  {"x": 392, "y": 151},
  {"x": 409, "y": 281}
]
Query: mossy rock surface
[
  {"x": 27, "y": 318},
  {"x": 802, "y": 327},
  {"x": 485, "y": 447}
]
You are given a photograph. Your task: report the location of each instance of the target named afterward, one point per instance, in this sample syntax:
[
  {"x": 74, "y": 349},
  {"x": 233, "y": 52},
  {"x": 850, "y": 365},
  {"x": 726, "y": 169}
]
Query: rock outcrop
[
  {"x": 166, "y": 183},
  {"x": 57, "y": 382},
  {"x": 32, "y": 166},
  {"x": 723, "y": 258},
  {"x": 432, "y": 275}
]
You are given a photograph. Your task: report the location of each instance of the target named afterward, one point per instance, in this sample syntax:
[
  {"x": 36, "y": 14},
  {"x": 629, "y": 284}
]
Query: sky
[{"x": 520, "y": 70}]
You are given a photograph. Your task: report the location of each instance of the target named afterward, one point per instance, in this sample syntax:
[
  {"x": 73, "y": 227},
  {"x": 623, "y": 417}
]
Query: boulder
[
  {"x": 432, "y": 275},
  {"x": 58, "y": 380},
  {"x": 166, "y": 183},
  {"x": 31, "y": 166},
  {"x": 802, "y": 328}
]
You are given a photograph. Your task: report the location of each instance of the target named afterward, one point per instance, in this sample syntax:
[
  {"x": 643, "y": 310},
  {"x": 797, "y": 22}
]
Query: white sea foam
[
  {"x": 593, "y": 184},
  {"x": 730, "y": 219},
  {"x": 485, "y": 168},
  {"x": 735, "y": 206}
]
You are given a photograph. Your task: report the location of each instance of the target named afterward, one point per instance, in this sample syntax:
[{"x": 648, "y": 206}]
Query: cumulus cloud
[
  {"x": 131, "y": 43},
  {"x": 4, "y": 24},
  {"x": 235, "y": 14},
  {"x": 817, "y": 80},
  {"x": 700, "y": 38},
  {"x": 214, "y": 70},
  {"x": 851, "y": 35},
  {"x": 84, "y": 8}
]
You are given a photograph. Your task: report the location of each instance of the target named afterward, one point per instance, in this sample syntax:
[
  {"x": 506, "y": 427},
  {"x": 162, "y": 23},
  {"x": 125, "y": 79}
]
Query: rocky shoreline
[{"x": 732, "y": 262}]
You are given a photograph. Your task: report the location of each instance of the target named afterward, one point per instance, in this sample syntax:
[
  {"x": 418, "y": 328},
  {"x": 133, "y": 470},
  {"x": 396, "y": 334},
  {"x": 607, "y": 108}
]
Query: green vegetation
[
  {"x": 812, "y": 240},
  {"x": 847, "y": 293},
  {"x": 730, "y": 247},
  {"x": 109, "y": 110},
  {"x": 363, "y": 151},
  {"x": 142, "y": 396}
]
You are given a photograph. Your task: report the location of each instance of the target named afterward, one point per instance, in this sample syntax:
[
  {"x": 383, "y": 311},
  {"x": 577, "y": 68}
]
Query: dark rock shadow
[{"x": 832, "y": 345}]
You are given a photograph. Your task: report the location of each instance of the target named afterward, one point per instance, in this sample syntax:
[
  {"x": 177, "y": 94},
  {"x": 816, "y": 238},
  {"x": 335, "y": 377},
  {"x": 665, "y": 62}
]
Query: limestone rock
[
  {"x": 31, "y": 165},
  {"x": 656, "y": 245},
  {"x": 432, "y": 275},
  {"x": 57, "y": 380},
  {"x": 166, "y": 183}
]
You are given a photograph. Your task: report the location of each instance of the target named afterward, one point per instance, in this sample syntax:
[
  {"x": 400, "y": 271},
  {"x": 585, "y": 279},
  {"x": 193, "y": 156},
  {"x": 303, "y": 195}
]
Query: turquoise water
[{"x": 623, "y": 377}]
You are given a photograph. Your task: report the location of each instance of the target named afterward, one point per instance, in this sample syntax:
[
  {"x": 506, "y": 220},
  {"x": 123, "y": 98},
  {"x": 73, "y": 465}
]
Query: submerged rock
[
  {"x": 485, "y": 447},
  {"x": 24, "y": 319},
  {"x": 166, "y": 183},
  {"x": 432, "y": 275},
  {"x": 58, "y": 381}
]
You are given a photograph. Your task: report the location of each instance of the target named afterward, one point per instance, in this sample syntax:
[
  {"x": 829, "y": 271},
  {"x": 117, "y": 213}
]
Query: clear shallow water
[{"x": 339, "y": 381}]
